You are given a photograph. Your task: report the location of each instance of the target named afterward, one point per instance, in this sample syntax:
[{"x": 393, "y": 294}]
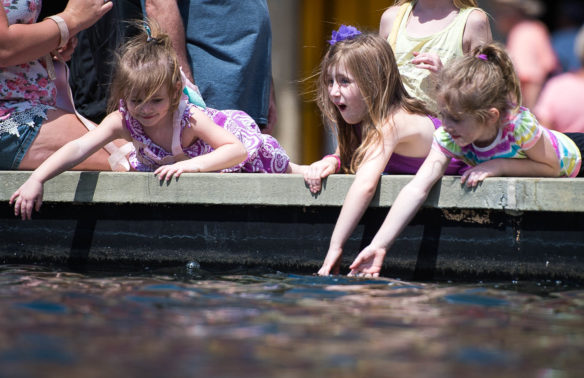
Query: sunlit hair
[
  {"x": 460, "y": 4},
  {"x": 368, "y": 58},
  {"x": 479, "y": 81},
  {"x": 144, "y": 64}
]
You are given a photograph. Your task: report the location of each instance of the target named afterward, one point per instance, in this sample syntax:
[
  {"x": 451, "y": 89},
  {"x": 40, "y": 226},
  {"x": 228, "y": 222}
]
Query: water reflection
[{"x": 188, "y": 322}]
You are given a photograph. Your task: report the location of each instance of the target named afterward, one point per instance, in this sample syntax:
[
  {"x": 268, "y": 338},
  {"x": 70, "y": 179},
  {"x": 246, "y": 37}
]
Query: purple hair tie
[
  {"x": 483, "y": 57},
  {"x": 344, "y": 32}
]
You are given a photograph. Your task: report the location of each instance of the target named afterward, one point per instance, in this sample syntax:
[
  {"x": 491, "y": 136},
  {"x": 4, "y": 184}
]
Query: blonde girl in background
[
  {"x": 379, "y": 127},
  {"x": 170, "y": 135},
  {"x": 484, "y": 125},
  {"x": 427, "y": 34}
]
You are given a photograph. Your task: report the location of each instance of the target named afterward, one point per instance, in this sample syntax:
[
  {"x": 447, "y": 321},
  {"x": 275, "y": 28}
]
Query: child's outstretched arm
[
  {"x": 409, "y": 200},
  {"x": 356, "y": 202},
  {"x": 319, "y": 170},
  {"x": 30, "y": 194},
  {"x": 228, "y": 151},
  {"x": 541, "y": 161}
]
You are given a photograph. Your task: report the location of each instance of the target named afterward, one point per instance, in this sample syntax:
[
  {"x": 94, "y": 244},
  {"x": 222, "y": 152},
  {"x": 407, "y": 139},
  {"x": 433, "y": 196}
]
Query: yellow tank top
[{"x": 447, "y": 43}]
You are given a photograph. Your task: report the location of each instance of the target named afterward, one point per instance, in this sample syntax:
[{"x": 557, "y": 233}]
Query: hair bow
[{"x": 344, "y": 32}]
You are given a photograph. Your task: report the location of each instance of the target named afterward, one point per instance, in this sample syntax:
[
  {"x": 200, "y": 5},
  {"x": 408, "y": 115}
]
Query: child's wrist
[{"x": 338, "y": 165}]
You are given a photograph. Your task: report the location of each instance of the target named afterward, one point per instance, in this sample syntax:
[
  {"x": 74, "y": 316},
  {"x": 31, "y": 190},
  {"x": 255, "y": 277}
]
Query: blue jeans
[{"x": 13, "y": 147}]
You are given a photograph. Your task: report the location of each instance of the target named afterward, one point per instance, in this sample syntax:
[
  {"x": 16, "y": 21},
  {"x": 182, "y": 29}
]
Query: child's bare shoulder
[
  {"x": 387, "y": 19},
  {"x": 477, "y": 30},
  {"x": 114, "y": 119},
  {"x": 478, "y": 18},
  {"x": 390, "y": 13},
  {"x": 198, "y": 118},
  {"x": 407, "y": 123},
  {"x": 403, "y": 117},
  {"x": 115, "y": 122}
]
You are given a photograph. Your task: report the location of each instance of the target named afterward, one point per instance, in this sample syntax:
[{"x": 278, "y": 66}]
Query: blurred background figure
[
  {"x": 568, "y": 20},
  {"x": 528, "y": 43},
  {"x": 92, "y": 62},
  {"x": 560, "y": 106}
]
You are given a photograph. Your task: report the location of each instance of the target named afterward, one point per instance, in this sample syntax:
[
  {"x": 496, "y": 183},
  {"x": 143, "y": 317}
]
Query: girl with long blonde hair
[{"x": 379, "y": 127}]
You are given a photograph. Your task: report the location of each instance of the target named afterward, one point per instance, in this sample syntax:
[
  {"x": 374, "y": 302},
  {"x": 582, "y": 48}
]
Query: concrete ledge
[
  {"x": 518, "y": 228},
  {"x": 510, "y": 194}
]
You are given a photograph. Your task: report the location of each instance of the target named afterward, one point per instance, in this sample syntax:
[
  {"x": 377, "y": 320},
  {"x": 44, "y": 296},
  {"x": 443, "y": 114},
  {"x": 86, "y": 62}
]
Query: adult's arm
[
  {"x": 22, "y": 43},
  {"x": 167, "y": 15}
]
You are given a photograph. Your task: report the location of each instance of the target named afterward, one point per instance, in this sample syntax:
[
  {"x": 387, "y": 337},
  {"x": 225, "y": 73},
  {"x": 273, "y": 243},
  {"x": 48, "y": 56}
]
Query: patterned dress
[{"x": 264, "y": 153}]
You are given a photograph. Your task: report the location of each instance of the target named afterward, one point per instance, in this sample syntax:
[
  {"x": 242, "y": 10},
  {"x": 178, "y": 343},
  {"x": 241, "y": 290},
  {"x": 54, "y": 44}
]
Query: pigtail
[
  {"x": 496, "y": 53},
  {"x": 479, "y": 81},
  {"x": 144, "y": 64}
]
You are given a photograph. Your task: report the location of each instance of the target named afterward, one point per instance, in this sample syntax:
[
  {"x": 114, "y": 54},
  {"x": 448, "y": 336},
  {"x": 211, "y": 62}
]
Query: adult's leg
[{"x": 60, "y": 128}]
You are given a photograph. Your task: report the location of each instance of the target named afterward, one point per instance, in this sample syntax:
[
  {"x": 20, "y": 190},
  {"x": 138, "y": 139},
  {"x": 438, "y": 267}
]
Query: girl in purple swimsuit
[
  {"x": 379, "y": 127},
  {"x": 170, "y": 135}
]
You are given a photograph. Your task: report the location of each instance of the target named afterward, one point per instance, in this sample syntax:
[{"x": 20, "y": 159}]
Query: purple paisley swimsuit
[{"x": 264, "y": 153}]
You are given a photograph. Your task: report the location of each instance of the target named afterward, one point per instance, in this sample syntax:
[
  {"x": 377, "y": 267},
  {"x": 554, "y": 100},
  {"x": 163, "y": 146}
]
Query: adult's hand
[{"x": 81, "y": 14}]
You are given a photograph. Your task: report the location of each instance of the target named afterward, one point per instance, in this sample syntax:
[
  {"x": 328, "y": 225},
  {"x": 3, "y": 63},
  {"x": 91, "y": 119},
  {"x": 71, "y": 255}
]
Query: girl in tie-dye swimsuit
[{"x": 483, "y": 125}]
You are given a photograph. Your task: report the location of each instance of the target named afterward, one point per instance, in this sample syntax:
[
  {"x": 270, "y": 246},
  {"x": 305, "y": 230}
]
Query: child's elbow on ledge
[{"x": 241, "y": 153}]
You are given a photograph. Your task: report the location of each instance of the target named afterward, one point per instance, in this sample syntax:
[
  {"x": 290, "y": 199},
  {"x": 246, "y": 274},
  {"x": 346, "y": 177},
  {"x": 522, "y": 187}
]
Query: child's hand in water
[
  {"x": 317, "y": 171},
  {"x": 428, "y": 61},
  {"x": 332, "y": 263},
  {"x": 473, "y": 176},
  {"x": 167, "y": 172},
  {"x": 368, "y": 263},
  {"x": 29, "y": 195}
]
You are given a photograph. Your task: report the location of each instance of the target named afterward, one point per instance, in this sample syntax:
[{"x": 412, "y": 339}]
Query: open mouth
[{"x": 342, "y": 107}]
